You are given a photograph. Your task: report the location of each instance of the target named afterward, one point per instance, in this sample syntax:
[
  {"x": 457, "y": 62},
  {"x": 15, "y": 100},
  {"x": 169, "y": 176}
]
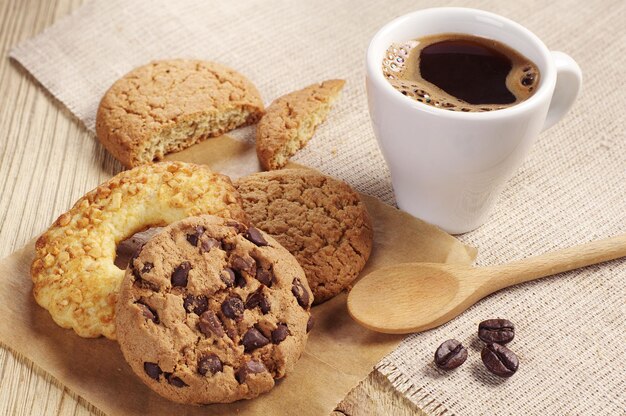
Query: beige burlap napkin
[{"x": 570, "y": 328}]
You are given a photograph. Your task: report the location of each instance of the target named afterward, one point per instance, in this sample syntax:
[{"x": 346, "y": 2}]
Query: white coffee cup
[{"x": 448, "y": 167}]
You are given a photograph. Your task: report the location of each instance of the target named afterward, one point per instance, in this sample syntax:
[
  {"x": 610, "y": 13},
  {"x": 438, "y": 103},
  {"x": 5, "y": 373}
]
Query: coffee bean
[
  {"x": 147, "y": 267},
  {"x": 148, "y": 312},
  {"x": 310, "y": 324},
  {"x": 206, "y": 244},
  {"x": 209, "y": 324},
  {"x": 300, "y": 292},
  {"x": 253, "y": 339},
  {"x": 250, "y": 367},
  {"x": 500, "y": 360},
  {"x": 209, "y": 363},
  {"x": 280, "y": 334},
  {"x": 174, "y": 381},
  {"x": 254, "y": 235},
  {"x": 180, "y": 274},
  {"x": 152, "y": 370},
  {"x": 264, "y": 276},
  {"x": 500, "y": 331},
  {"x": 195, "y": 236},
  {"x": 228, "y": 277},
  {"x": 232, "y": 308},
  {"x": 450, "y": 355},
  {"x": 196, "y": 304}
]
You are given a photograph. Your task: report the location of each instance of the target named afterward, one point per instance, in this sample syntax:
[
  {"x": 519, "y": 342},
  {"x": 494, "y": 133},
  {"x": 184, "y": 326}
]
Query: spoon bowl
[{"x": 414, "y": 297}]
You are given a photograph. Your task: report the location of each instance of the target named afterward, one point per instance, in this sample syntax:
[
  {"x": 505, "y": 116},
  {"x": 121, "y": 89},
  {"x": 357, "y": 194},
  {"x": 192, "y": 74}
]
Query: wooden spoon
[{"x": 414, "y": 297}]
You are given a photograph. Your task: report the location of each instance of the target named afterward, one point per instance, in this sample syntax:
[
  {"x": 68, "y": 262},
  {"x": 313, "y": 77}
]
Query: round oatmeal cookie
[
  {"x": 74, "y": 275},
  {"x": 211, "y": 311},
  {"x": 320, "y": 220},
  {"x": 166, "y": 106}
]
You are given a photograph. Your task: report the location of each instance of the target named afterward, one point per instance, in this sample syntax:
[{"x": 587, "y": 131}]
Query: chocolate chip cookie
[
  {"x": 212, "y": 311},
  {"x": 320, "y": 220}
]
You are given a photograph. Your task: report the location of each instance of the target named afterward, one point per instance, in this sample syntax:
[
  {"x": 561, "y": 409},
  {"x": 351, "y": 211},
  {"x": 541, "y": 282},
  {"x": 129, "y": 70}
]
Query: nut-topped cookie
[
  {"x": 211, "y": 311},
  {"x": 320, "y": 220},
  {"x": 74, "y": 273}
]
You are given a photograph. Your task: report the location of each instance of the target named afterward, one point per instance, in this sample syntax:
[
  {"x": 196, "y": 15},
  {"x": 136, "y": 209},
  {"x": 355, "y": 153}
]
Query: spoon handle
[{"x": 555, "y": 262}]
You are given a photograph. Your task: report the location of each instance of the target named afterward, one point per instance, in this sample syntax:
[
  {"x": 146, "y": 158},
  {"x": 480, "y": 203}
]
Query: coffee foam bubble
[{"x": 402, "y": 59}]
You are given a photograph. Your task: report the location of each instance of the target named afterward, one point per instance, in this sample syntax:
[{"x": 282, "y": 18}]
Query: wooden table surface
[{"x": 47, "y": 161}]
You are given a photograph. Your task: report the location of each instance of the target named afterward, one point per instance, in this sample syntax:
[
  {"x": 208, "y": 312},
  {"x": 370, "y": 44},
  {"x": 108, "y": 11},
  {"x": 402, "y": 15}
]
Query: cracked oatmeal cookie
[
  {"x": 291, "y": 120},
  {"x": 167, "y": 106},
  {"x": 320, "y": 220}
]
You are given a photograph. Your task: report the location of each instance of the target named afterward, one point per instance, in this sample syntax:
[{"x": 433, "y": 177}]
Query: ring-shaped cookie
[{"x": 74, "y": 275}]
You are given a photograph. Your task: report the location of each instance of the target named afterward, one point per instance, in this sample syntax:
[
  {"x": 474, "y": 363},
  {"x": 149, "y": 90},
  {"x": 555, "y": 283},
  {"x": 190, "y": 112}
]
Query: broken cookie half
[
  {"x": 291, "y": 120},
  {"x": 167, "y": 106}
]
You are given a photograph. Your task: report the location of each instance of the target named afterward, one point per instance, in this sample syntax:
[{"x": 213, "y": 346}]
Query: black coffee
[{"x": 460, "y": 72}]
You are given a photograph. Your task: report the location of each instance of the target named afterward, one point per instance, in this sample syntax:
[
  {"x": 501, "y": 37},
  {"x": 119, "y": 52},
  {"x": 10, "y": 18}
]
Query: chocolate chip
[
  {"x": 280, "y": 334},
  {"x": 174, "y": 381},
  {"x": 228, "y": 245},
  {"x": 242, "y": 264},
  {"x": 310, "y": 324},
  {"x": 136, "y": 254},
  {"x": 450, "y": 355},
  {"x": 206, "y": 244},
  {"x": 500, "y": 360},
  {"x": 209, "y": 324},
  {"x": 264, "y": 276},
  {"x": 209, "y": 363},
  {"x": 253, "y": 339},
  {"x": 254, "y": 235},
  {"x": 250, "y": 367},
  {"x": 135, "y": 273},
  {"x": 147, "y": 267},
  {"x": 232, "y": 308},
  {"x": 265, "y": 305},
  {"x": 228, "y": 277},
  {"x": 196, "y": 304},
  {"x": 142, "y": 283},
  {"x": 258, "y": 299},
  {"x": 239, "y": 227},
  {"x": 500, "y": 331},
  {"x": 180, "y": 274},
  {"x": 195, "y": 236},
  {"x": 152, "y": 370},
  {"x": 300, "y": 292},
  {"x": 240, "y": 279},
  {"x": 148, "y": 312}
]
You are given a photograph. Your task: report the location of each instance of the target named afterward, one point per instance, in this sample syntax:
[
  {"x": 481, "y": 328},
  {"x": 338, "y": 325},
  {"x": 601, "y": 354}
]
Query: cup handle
[{"x": 569, "y": 79}]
